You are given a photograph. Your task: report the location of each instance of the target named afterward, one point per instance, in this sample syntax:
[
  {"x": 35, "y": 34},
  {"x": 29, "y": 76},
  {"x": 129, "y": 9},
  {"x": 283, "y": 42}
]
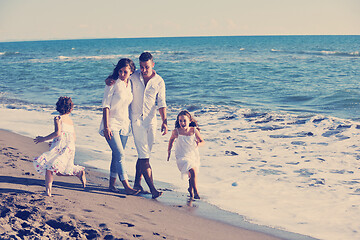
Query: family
[{"x": 131, "y": 100}]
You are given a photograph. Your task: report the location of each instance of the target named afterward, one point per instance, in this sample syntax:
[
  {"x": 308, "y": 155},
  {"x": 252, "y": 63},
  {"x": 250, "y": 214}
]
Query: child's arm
[
  {"x": 53, "y": 135},
  {"x": 199, "y": 140},
  {"x": 171, "y": 142}
]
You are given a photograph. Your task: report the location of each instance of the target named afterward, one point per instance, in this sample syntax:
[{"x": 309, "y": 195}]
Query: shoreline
[{"x": 88, "y": 213}]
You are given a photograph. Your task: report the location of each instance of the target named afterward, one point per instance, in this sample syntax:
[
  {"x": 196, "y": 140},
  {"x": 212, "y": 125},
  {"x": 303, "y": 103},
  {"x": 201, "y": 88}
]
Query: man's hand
[
  {"x": 164, "y": 127},
  {"x": 109, "y": 81}
]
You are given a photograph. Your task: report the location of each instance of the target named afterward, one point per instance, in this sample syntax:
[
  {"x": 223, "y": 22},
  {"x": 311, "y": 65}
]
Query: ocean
[{"x": 279, "y": 114}]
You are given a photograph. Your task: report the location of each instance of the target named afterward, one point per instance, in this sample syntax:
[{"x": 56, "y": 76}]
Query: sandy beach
[{"x": 93, "y": 213}]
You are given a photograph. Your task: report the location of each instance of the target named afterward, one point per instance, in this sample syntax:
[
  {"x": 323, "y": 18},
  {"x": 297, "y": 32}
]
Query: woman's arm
[
  {"x": 107, "y": 130},
  {"x": 52, "y": 135}
]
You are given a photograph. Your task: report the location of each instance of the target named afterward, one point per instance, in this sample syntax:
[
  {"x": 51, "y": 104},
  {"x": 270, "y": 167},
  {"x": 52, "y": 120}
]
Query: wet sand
[{"x": 73, "y": 212}]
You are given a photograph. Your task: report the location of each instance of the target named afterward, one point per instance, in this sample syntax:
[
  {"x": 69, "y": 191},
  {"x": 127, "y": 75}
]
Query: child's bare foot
[
  {"x": 197, "y": 196},
  {"x": 156, "y": 194},
  {"x": 48, "y": 192},
  {"x": 190, "y": 192},
  {"x": 82, "y": 178}
]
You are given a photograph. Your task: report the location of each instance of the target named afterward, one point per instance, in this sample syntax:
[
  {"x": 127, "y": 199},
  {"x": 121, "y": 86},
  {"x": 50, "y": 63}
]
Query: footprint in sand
[{"x": 127, "y": 224}]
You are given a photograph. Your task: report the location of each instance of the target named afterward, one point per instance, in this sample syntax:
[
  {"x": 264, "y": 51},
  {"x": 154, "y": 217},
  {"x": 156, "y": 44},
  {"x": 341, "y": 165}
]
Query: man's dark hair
[{"x": 145, "y": 56}]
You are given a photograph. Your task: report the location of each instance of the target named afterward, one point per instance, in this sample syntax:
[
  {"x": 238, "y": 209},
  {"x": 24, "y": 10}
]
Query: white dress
[
  {"x": 60, "y": 158},
  {"x": 186, "y": 153}
]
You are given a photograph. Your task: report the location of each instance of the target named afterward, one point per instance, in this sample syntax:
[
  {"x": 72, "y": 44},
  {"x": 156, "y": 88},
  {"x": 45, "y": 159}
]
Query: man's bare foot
[
  {"x": 142, "y": 191},
  {"x": 133, "y": 192},
  {"x": 157, "y": 194}
]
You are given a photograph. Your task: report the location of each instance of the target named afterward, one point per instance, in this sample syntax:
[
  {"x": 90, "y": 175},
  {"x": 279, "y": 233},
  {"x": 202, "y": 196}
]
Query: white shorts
[{"x": 143, "y": 137}]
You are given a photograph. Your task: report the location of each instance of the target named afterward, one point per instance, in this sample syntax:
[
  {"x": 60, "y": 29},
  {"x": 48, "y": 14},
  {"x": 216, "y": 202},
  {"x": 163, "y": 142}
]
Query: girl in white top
[
  {"x": 115, "y": 126},
  {"x": 59, "y": 159},
  {"x": 188, "y": 138}
]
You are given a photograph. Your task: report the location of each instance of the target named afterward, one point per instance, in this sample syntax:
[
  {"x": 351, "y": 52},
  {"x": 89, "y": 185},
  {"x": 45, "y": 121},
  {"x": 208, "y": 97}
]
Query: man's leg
[
  {"x": 147, "y": 172},
  {"x": 141, "y": 144}
]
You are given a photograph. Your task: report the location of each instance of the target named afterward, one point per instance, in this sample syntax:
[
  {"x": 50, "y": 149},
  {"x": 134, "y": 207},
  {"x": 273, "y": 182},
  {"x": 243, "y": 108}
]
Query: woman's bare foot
[
  {"x": 156, "y": 194},
  {"x": 113, "y": 189}
]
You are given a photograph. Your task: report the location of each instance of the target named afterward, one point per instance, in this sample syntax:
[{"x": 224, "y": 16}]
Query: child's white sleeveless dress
[
  {"x": 60, "y": 158},
  {"x": 186, "y": 153}
]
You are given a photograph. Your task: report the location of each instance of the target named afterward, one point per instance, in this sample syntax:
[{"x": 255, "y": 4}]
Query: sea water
[{"x": 279, "y": 114}]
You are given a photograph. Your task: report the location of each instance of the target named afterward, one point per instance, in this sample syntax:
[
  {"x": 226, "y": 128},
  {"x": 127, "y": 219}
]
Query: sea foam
[{"x": 298, "y": 173}]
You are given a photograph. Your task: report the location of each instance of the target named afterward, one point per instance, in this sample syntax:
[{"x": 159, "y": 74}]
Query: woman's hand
[{"x": 107, "y": 133}]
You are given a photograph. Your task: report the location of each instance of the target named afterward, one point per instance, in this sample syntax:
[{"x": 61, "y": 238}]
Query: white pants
[{"x": 144, "y": 138}]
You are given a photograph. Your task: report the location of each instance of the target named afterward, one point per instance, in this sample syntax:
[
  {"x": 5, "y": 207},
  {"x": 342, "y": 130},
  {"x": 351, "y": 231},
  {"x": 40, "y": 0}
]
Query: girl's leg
[
  {"x": 49, "y": 178},
  {"x": 82, "y": 177},
  {"x": 190, "y": 189},
  {"x": 193, "y": 180}
]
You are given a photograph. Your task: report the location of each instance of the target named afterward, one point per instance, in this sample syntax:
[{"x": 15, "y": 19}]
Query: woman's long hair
[{"x": 124, "y": 62}]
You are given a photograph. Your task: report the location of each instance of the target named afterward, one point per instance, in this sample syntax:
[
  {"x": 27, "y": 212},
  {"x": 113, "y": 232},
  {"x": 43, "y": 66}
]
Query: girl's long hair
[{"x": 193, "y": 122}]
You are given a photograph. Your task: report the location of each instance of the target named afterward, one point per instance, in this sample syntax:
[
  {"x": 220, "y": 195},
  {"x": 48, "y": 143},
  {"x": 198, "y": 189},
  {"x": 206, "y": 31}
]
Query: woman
[{"x": 115, "y": 126}]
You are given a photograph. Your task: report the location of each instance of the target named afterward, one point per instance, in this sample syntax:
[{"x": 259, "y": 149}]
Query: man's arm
[{"x": 109, "y": 81}]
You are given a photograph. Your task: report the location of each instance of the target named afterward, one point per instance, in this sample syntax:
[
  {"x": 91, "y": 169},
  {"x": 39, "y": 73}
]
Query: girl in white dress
[
  {"x": 59, "y": 159},
  {"x": 187, "y": 138}
]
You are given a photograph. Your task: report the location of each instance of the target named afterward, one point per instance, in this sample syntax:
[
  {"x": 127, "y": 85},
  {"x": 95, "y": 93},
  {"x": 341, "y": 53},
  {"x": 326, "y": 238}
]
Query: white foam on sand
[{"x": 297, "y": 174}]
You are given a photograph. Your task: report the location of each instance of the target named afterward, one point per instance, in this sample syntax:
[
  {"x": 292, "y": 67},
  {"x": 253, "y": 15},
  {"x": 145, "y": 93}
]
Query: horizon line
[{"x": 105, "y": 38}]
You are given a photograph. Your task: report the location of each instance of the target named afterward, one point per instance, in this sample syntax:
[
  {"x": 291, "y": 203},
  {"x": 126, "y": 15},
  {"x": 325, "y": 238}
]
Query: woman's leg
[
  {"x": 113, "y": 173},
  {"x": 193, "y": 180},
  {"x": 49, "y": 178},
  {"x": 117, "y": 144}
]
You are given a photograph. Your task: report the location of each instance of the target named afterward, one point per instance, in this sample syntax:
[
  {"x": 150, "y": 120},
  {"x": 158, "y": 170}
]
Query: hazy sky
[{"x": 74, "y": 19}]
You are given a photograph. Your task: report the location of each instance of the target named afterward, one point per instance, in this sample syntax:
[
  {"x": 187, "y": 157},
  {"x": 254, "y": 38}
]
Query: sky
[{"x": 22, "y": 20}]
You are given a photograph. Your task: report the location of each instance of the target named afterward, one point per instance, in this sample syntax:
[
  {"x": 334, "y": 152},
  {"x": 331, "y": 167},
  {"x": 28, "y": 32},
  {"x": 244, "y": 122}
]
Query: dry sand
[{"x": 93, "y": 213}]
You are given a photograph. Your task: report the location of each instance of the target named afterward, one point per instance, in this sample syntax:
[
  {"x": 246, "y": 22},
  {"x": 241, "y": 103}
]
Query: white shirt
[
  {"x": 118, "y": 98},
  {"x": 147, "y": 98}
]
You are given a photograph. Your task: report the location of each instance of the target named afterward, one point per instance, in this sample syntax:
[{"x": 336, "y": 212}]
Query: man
[{"x": 148, "y": 94}]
